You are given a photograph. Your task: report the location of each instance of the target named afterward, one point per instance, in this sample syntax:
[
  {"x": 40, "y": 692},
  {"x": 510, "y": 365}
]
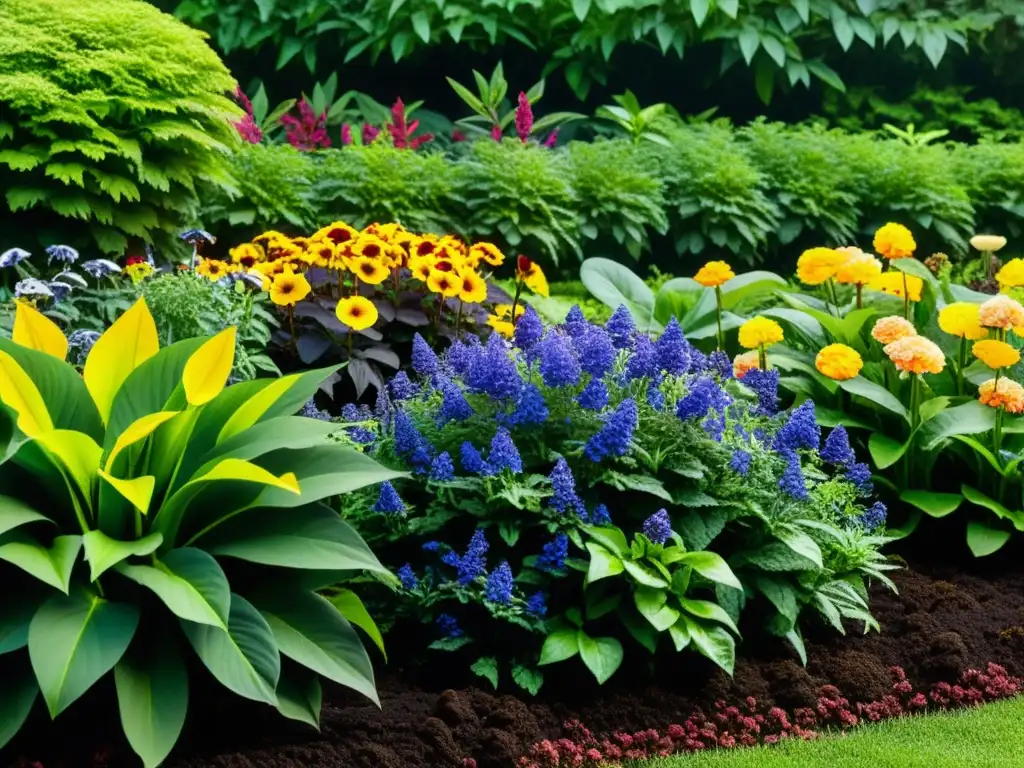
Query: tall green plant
[{"x": 148, "y": 513}]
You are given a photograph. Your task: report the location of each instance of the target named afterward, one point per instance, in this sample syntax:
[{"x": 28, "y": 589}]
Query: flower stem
[
  {"x": 860, "y": 296},
  {"x": 832, "y": 295},
  {"x": 906, "y": 298},
  {"x": 762, "y": 357},
  {"x": 718, "y": 315},
  {"x": 458, "y": 321},
  {"x": 515, "y": 301},
  {"x": 291, "y": 327},
  {"x": 961, "y": 361}
]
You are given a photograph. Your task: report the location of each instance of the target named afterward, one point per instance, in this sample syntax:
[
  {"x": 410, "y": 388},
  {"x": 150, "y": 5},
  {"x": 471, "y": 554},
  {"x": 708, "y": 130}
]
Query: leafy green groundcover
[{"x": 989, "y": 737}]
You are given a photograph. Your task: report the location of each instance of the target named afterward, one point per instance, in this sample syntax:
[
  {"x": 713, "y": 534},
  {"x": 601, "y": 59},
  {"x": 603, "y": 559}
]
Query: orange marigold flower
[
  {"x": 1001, "y": 312},
  {"x": 894, "y": 241},
  {"x": 839, "y": 362},
  {"x": 714, "y": 274},
  {"x": 1006, "y": 394},
  {"x": 892, "y": 328},
  {"x": 916, "y": 354},
  {"x": 744, "y": 363}
]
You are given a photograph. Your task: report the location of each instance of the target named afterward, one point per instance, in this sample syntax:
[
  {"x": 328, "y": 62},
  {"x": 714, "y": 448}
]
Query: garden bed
[{"x": 942, "y": 622}]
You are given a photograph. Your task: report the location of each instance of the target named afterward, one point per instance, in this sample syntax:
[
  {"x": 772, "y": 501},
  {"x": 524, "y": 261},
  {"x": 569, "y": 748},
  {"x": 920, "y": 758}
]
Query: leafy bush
[
  {"x": 608, "y": 488},
  {"x": 113, "y": 114},
  {"x": 993, "y": 177},
  {"x": 193, "y": 507}
]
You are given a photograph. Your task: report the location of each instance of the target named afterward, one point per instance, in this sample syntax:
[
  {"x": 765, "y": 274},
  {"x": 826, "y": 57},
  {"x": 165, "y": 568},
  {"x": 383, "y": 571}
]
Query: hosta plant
[{"x": 151, "y": 515}]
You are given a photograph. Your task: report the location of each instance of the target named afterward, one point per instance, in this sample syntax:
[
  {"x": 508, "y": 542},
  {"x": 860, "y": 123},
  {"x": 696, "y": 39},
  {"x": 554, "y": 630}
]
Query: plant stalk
[
  {"x": 961, "y": 361},
  {"x": 906, "y": 298},
  {"x": 718, "y": 315}
]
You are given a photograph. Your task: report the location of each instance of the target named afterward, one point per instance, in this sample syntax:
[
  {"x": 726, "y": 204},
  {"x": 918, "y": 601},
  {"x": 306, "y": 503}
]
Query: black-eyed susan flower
[
  {"x": 289, "y": 288},
  {"x": 530, "y": 273},
  {"x": 445, "y": 283},
  {"x": 212, "y": 269},
  {"x": 357, "y": 312},
  {"x": 247, "y": 255},
  {"x": 473, "y": 288},
  {"x": 504, "y": 327},
  {"x": 421, "y": 267},
  {"x": 371, "y": 271},
  {"x": 488, "y": 252},
  {"x": 369, "y": 247},
  {"x": 337, "y": 232}
]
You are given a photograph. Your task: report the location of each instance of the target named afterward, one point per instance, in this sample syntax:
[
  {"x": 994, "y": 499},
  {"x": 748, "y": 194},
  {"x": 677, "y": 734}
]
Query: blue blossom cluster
[
  {"x": 473, "y": 564},
  {"x": 552, "y": 557},
  {"x": 658, "y": 527}
]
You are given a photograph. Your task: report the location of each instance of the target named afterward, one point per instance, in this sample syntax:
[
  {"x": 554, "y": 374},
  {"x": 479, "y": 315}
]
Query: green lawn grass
[{"x": 988, "y": 737}]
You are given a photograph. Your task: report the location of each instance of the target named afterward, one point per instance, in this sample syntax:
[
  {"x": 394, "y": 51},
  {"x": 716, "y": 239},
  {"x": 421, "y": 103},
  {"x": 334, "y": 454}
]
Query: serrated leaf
[
  {"x": 487, "y": 668},
  {"x": 528, "y": 679}
]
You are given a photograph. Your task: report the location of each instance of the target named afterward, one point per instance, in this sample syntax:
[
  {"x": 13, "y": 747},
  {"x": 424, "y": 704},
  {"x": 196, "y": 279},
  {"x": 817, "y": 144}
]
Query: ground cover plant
[{"x": 150, "y": 515}]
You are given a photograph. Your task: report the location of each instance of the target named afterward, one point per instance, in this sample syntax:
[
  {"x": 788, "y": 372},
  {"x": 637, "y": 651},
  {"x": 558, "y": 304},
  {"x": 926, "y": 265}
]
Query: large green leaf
[
  {"x": 189, "y": 582},
  {"x": 652, "y": 606},
  {"x": 984, "y": 540},
  {"x": 15, "y": 513},
  {"x": 801, "y": 543},
  {"x": 245, "y": 658},
  {"x": 284, "y": 397},
  {"x": 975, "y": 496},
  {"x": 711, "y": 566},
  {"x": 16, "y": 612},
  {"x": 876, "y": 395},
  {"x": 970, "y": 418},
  {"x": 312, "y": 632},
  {"x": 73, "y": 641},
  {"x": 933, "y": 503},
  {"x": 684, "y": 299},
  {"x": 51, "y": 565},
  {"x": 152, "y": 696},
  {"x": 299, "y": 695},
  {"x": 103, "y": 552},
  {"x": 705, "y": 609},
  {"x": 885, "y": 451},
  {"x": 715, "y": 642},
  {"x": 602, "y": 563},
  {"x": 749, "y": 285},
  {"x": 801, "y": 322},
  {"x": 601, "y": 655},
  {"x": 313, "y": 537},
  {"x": 559, "y": 646},
  {"x": 271, "y": 435},
  {"x": 62, "y": 388},
  {"x": 615, "y": 285},
  {"x": 352, "y": 608},
  {"x": 17, "y": 695}
]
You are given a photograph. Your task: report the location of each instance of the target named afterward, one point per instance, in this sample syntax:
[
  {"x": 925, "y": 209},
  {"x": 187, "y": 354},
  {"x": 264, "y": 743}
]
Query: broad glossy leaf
[
  {"x": 250, "y": 412},
  {"x": 14, "y": 513},
  {"x": 20, "y": 394},
  {"x": 103, "y": 552},
  {"x": 189, "y": 582},
  {"x": 933, "y": 503},
  {"x": 138, "y": 430},
  {"x": 800, "y": 321},
  {"x": 748, "y": 285},
  {"x": 602, "y": 655},
  {"x": 602, "y": 563},
  {"x": 51, "y": 565},
  {"x": 876, "y": 395},
  {"x": 73, "y": 641},
  {"x": 244, "y": 658},
  {"x": 685, "y": 299},
  {"x": 138, "y": 491},
  {"x": 970, "y": 418},
  {"x": 152, "y": 697},
  {"x": 76, "y": 453},
  {"x": 975, "y": 496},
  {"x": 559, "y": 646},
  {"x": 125, "y": 345},
  {"x": 313, "y": 537},
  {"x": 981, "y": 450},
  {"x": 610, "y": 537},
  {"x": 711, "y": 566},
  {"x": 885, "y": 451},
  {"x": 705, "y": 609},
  {"x": 715, "y": 642},
  {"x": 35, "y": 330},
  {"x": 16, "y": 612},
  {"x": 615, "y": 285},
  {"x": 292, "y": 432},
  {"x": 299, "y": 695},
  {"x": 207, "y": 371},
  {"x": 17, "y": 695},
  {"x": 352, "y": 608},
  {"x": 680, "y": 634},
  {"x": 984, "y": 540},
  {"x": 643, "y": 574},
  {"x": 312, "y": 632},
  {"x": 652, "y": 606}
]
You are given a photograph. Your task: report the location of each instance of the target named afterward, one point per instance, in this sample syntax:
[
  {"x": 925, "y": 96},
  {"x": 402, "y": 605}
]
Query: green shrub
[
  {"x": 993, "y": 176},
  {"x": 113, "y": 113},
  {"x": 149, "y": 514}
]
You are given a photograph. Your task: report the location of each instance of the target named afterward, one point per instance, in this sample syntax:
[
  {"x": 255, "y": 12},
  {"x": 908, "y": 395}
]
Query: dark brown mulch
[{"x": 942, "y": 622}]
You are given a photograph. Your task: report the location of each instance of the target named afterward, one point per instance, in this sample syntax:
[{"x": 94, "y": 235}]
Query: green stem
[
  {"x": 997, "y": 432},
  {"x": 961, "y": 361},
  {"x": 915, "y": 420},
  {"x": 762, "y": 358},
  {"x": 291, "y": 329},
  {"x": 833, "y": 296},
  {"x": 718, "y": 315},
  {"x": 906, "y": 298},
  {"x": 458, "y": 321},
  {"x": 860, "y": 296},
  {"x": 515, "y": 301}
]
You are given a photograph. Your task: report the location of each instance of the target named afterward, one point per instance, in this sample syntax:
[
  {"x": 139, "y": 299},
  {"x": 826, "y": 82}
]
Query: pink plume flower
[
  {"x": 524, "y": 118},
  {"x": 247, "y": 127},
  {"x": 496, "y": 133},
  {"x": 346, "y": 135},
  {"x": 370, "y": 133},
  {"x": 308, "y": 131}
]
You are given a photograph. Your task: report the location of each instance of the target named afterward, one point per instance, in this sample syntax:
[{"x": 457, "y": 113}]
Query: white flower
[
  {"x": 32, "y": 287},
  {"x": 13, "y": 256}
]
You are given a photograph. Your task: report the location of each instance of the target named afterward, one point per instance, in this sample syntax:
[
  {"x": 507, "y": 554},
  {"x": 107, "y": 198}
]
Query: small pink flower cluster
[
  {"x": 308, "y": 131},
  {"x": 247, "y": 127},
  {"x": 748, "y": 725}
]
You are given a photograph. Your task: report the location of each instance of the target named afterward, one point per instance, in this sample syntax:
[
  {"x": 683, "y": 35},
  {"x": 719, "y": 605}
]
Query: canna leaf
[
  {"x": 128, "y": 343},
  {"x": 207, "y": 370},
  {"x": 35, "y": 330},
  {"x": 138, "y": 490},
  {"x": 19, "y": 393},
  {"x": 140, "y": 429}
]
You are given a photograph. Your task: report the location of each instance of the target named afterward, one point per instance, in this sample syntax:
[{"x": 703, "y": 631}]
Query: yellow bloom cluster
[
  {"x": 760, "y": 332},
  {"x": 859, "y": 268},
  {"x": 839, "y": 362},
  {"x": 961, "y": 319},
  {"x": 1011, "y": 274},
  {"x": 714, "y": 274},
  {"x": 995, "y": 354},
  {"x": 893, "y": 284},
  {"x": 894, "y": 241},
  {"x": 817, "y": 265}
]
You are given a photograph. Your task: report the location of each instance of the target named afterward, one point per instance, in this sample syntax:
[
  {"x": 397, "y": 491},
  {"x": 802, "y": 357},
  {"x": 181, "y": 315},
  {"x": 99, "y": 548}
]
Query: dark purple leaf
[
  {"x": 497, "y": 295},
  {"x": 385, "y": 309},
  {"x": 312, "y": 346},
  {"x": 382, "y": 355},
  {"x": 327, "y": 385},
  {"x": 364, "y": 375},
  {"x": 315, "y": 311},
  {"x": 413, "y": 317},
  {"x": 371, "y": 333}
]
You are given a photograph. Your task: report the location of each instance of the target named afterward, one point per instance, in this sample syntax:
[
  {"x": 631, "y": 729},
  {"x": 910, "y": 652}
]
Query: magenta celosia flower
[
  {"x": 458, "y": 135},
  {"x": 402, "y": 131},
  {"x": 346, "y": 135},
  {"x": 524, "y": 118},
  {"x": 247, "y": 127},
  {"x": 370, "y": 132},
  {"x": 308, "y": 131},
  {"x": 552, "y": 138}
]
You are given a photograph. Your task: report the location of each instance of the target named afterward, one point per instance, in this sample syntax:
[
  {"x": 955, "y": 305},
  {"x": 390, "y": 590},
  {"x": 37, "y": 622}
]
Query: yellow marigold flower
[
  {"x": 421, "y": 267},
  {"x": 488, "y": 252},
  {"x": 1001, "y": 312},
  {"x": 426, "y": 246},
  {"x": 289, "y": 288},
  {"x": 744, "y": 363},
  {"x": 369, "y": 247},
  {"x": 473, "y": 288},
  {"x": 892, "y": 283},
  {"x": 504, "y": 327},
  {"x": 247, "y": 254},
  {"x": 271, "y": 235},
  {"x": 337, "y": 232},
  {"x": 988, "y": 243},
  {"x": 447, "y": 284},
  {"x": 859, "y": 268},
  {"x": 385, "y": 232},
  {"x": 816, "y": 265},
  {"x": 892, "y": 328},
  {"x": 995, "y": 354},
  {"x": 322, "y": 253},
  {"x": 961, "y": 319},
  {"x": 357, "y": 312},
  {"x": 369, "y": 270},
  {"x": 530, "y": 273},
  {"x": 894, "y": 241},
  {"x": 714, "y": 274},
  {"x": 1006, "y": 393},
  {"x": 396, "y": 256},
  {"x": 760, "y": 332},
  {"x": 1011, "y": 275},
  {"x": 916, "y": 354},
  {"x": 139, "y": 271},
  {"x": 504, "y": 311},
  {"x": 839, "y": 362},
  {"x": 212, "y": 269}
]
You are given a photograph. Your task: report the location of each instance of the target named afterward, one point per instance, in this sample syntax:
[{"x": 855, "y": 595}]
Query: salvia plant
[
  {"x": 149, "y": 516},
  {"x": 600, "y": 492}
]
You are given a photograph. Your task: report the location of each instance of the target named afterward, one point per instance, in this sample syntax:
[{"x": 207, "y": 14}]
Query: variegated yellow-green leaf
[
  {"x": 140, "y": 429},
  {"x": 207, "y": 371},
  {"x": 238, "y": 469},
  {"x": 35, "y": 330},
  {"x": 19, "y": 393},
  {"x": 77, "y": 452},
  {"x": 138, "y": 491},
  {"x": 253, "y": 409},
  {"x": 128, "y": 343}
]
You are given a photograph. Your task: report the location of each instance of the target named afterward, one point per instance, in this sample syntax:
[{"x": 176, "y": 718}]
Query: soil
[{"x": 942, "y": 622}]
